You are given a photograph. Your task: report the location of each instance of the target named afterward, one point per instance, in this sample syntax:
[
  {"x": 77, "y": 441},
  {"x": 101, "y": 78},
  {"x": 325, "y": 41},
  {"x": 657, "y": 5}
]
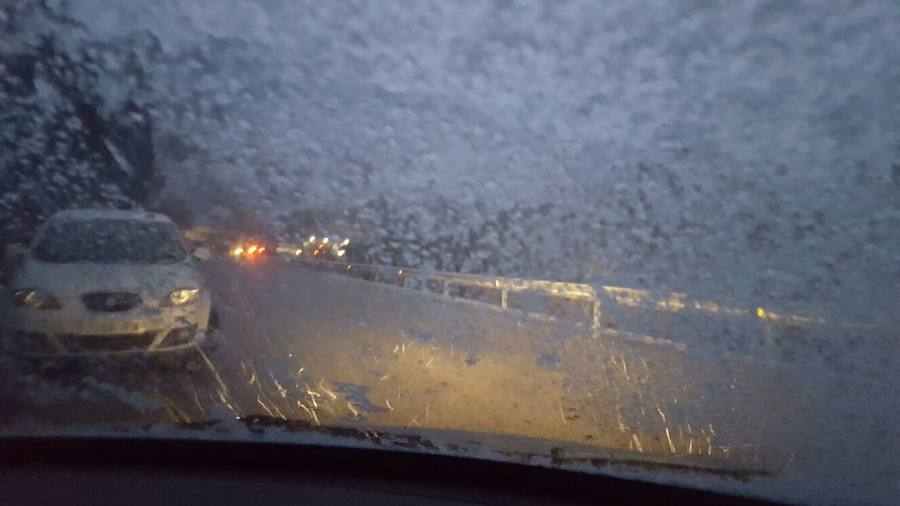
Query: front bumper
[{"x": 84, "y": 333}]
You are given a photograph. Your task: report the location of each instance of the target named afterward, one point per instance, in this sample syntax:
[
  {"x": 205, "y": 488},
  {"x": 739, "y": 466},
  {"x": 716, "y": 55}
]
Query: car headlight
[
  {"x": 181, "y": 297},
  {"x": 32, "y": 298}
]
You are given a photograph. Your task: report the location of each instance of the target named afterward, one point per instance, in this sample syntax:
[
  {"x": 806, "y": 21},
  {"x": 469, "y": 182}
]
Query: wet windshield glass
[
  {"x": 110, "y": 241},
  {"x": 651, "y": 239}
]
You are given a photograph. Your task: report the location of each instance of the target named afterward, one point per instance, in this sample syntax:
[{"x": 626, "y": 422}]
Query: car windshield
[
  {"x": 655, "y": 240},
  {"x": 112, "y": 241}
]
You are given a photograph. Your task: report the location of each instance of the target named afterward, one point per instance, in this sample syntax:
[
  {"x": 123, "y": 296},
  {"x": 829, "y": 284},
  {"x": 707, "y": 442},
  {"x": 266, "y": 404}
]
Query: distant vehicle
[
  {"x": 104, "y": 282},
  {"x": 331, "y": 248},
  {"x": 231, "y": 243},
  {"x": 217, "y": 240},
  {"x": 326, "y": 248},
  {"x": 251, "y": 249}
]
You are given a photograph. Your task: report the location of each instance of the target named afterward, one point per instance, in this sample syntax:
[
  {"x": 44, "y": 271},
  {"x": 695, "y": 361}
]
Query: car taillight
[{"x": 248, "y": 251}]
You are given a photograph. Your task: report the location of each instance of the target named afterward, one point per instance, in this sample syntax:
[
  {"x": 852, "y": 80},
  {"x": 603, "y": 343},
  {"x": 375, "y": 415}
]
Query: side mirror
[
  {"x": 15, "y": 253},
  {"x": 203, "y": 254}
]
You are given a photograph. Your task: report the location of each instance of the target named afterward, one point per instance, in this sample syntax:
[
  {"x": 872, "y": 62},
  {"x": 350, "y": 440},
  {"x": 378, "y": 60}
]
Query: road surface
[{"x": 327, "y": 349}]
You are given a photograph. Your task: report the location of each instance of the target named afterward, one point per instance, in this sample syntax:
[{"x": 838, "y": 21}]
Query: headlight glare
[
  {"x": 181, "y": 297},
  {"x": 32, "y": 298}
]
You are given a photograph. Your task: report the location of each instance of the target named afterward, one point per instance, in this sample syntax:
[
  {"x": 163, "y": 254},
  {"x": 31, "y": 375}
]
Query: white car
[{"x": 104, "y": 282}]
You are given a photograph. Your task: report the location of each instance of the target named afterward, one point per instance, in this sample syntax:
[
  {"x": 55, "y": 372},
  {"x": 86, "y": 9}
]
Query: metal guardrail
[
  {"x": 511, "y": 293},
  {"x": 679, "y": 302},
  {"x": 509, "y": 289}
]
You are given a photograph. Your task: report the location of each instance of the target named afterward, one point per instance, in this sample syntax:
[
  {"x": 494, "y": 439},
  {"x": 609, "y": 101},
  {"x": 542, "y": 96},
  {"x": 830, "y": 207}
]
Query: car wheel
[
  {"x": 186, "y": 360},
  {"x": 26, "y": 364},
  {"x": 213, "y": 319},
  {"x": 58, "y": 368}
]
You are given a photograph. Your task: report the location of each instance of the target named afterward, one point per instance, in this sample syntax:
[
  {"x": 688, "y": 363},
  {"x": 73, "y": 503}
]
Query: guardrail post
[
  {"x": 595, "y": 323},
  {"x": 504, "y": 298},
  {"x": 445, "y": 291}
]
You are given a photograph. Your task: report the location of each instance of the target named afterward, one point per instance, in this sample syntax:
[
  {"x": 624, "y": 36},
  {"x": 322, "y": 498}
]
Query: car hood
[{"x": 72, "y": 280}]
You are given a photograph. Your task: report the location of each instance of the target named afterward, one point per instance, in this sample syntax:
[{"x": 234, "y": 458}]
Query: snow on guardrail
[
  {"x": 514, "y": 293},
  {"x": 535, "y": 297}
]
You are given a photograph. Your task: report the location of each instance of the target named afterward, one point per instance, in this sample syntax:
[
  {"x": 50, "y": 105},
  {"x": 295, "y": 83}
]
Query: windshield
[
  {"x": 656, "y": 240},
  {"x": 110, "y": 241}
]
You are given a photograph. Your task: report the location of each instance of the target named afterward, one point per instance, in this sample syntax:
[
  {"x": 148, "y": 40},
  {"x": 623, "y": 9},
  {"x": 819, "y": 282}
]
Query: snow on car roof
[{"x": 111, "y": 214}]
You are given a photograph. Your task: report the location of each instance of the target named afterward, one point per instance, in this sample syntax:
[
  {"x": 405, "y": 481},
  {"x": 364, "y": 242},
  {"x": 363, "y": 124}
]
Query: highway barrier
[
  {"x": 635, "y": 313},
  {"x": 570, "y": 301}
]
